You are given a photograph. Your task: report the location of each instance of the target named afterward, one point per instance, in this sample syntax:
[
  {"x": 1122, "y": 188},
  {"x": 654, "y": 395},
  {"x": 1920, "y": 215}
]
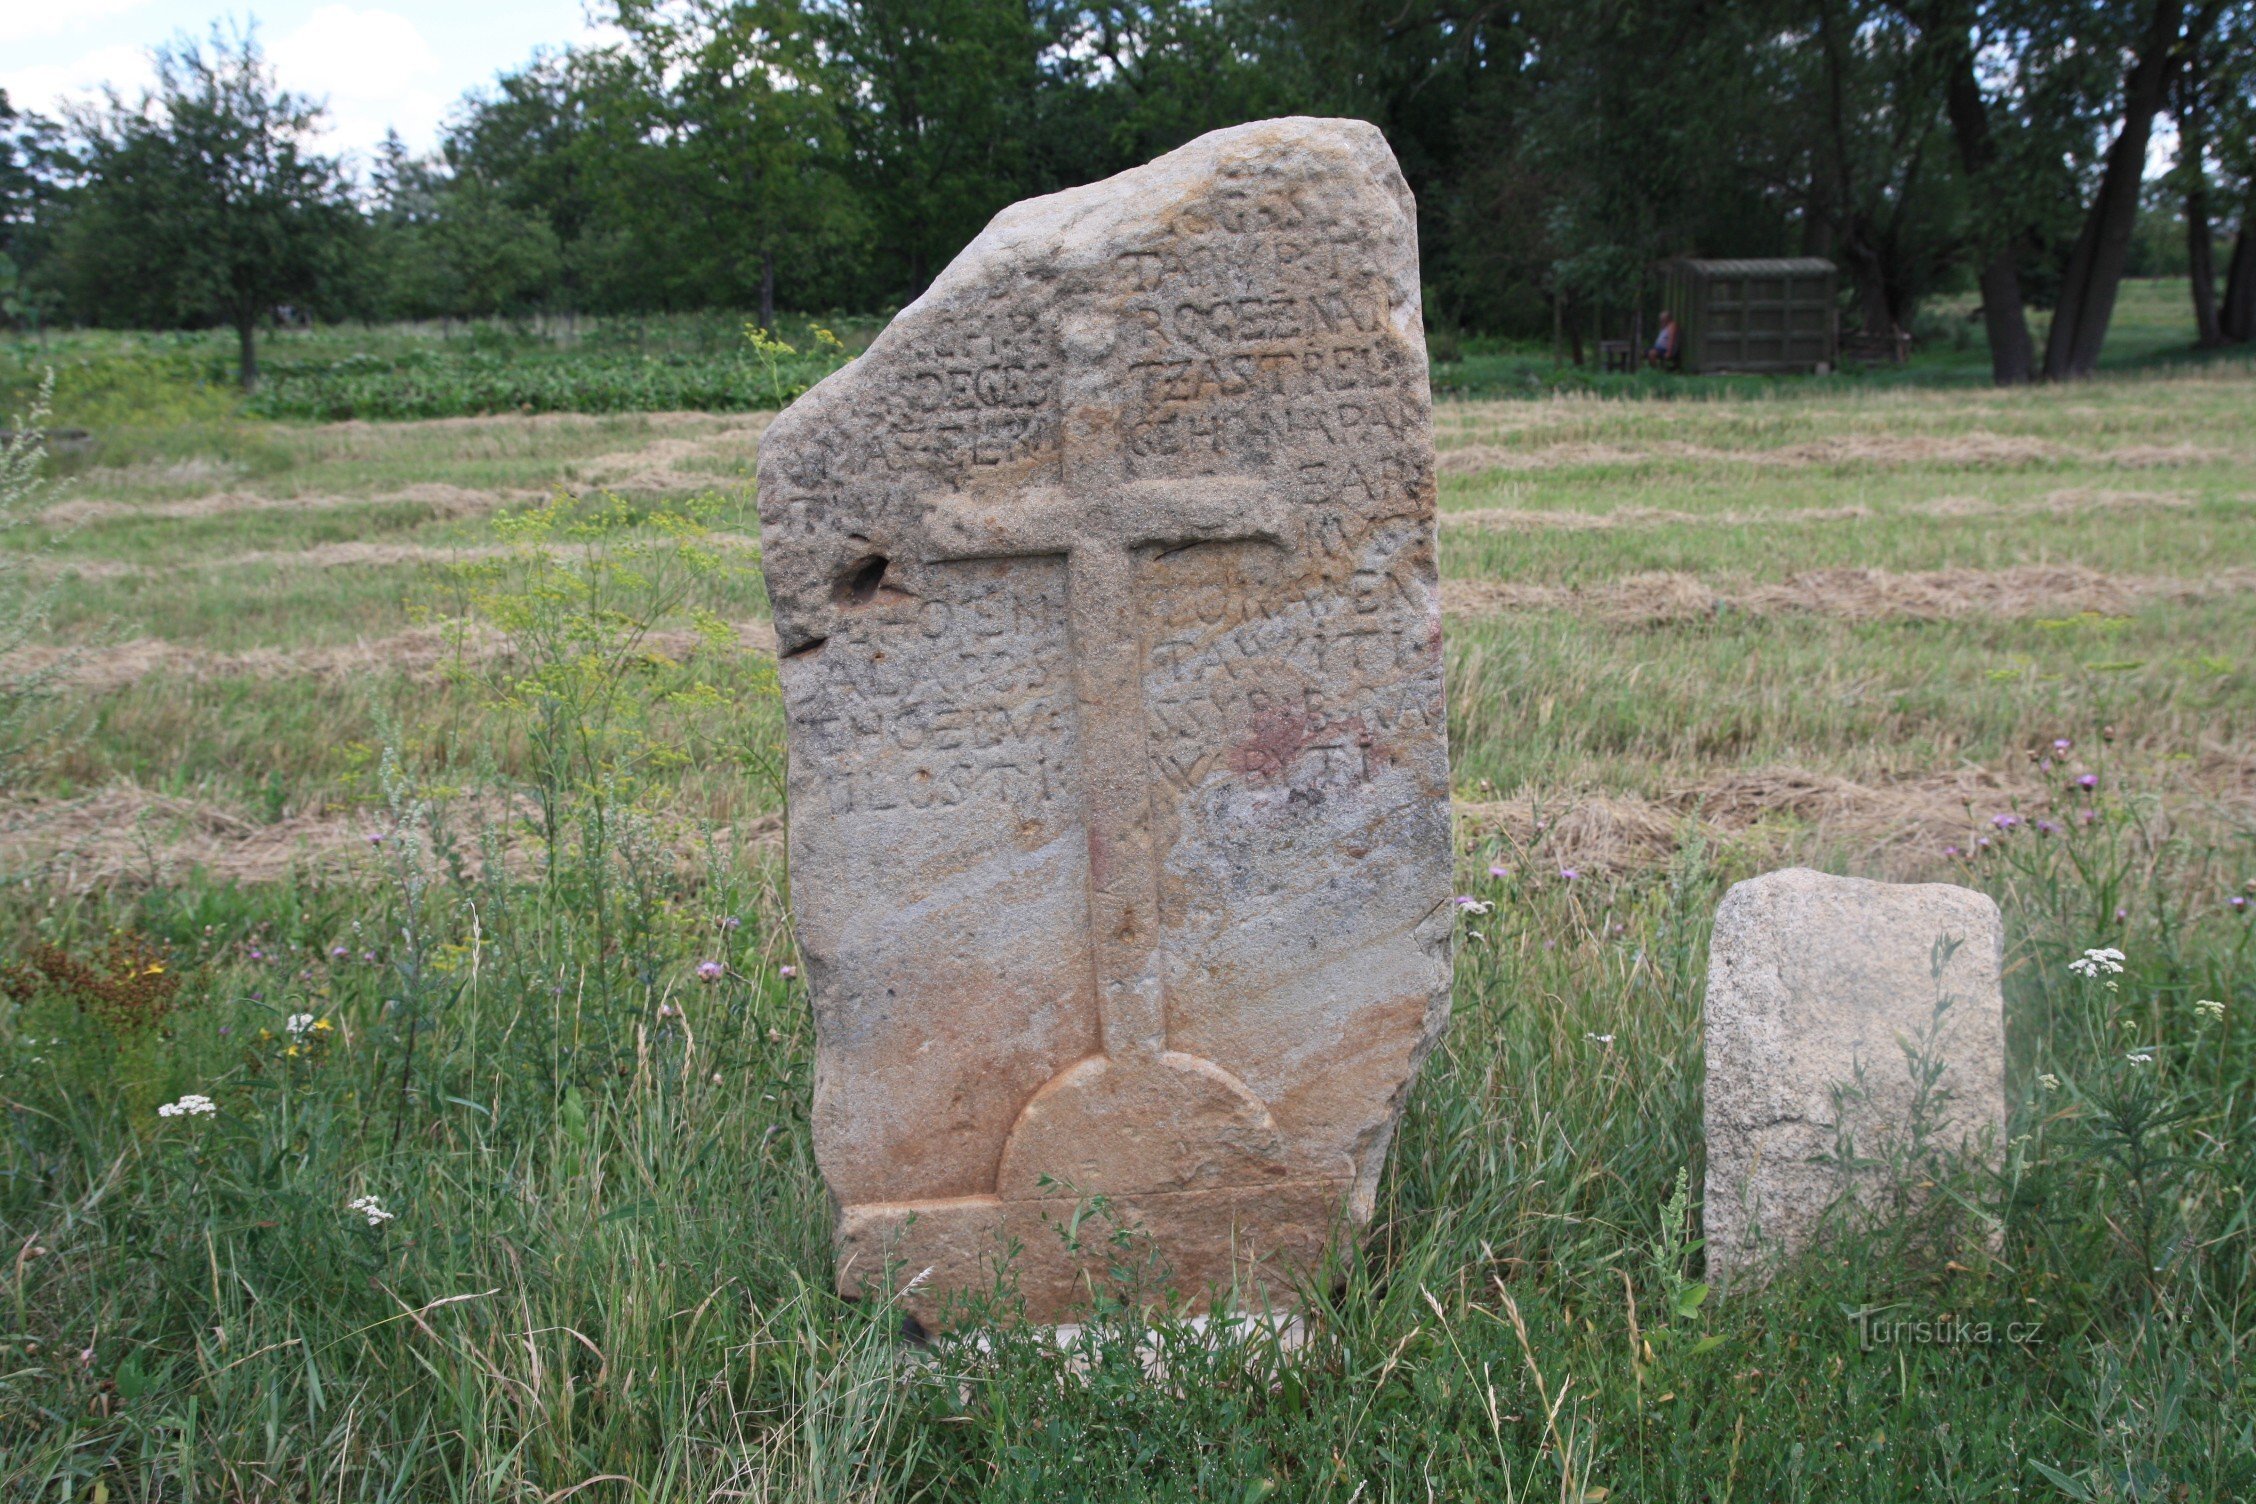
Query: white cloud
[
  {"x": 26, "y": 20},
  {"x": 377, "y": 63},
  {"x": 44, "y": 87},
  {"x": 374, "y": 67}
]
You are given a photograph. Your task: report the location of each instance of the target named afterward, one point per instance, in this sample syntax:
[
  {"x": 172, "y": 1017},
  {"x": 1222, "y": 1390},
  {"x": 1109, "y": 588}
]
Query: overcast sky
[{"x": 396, "y": 63}]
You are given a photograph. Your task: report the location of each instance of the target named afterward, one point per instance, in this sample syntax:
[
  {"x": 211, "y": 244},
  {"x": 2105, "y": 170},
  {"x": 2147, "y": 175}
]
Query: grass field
[{"x": 369, "y": 732}]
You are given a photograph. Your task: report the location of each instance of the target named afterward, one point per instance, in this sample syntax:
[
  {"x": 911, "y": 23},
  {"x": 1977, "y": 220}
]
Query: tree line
[{"x": 834, "y": 154}]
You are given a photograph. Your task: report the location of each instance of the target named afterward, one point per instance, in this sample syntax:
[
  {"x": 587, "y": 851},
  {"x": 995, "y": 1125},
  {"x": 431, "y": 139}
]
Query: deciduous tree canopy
[{"x": 833, "y": 154}]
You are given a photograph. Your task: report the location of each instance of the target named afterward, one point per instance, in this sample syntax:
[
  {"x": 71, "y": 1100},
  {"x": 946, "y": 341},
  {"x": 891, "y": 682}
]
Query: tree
[
  {"x": 29, "y": 146},
  {"x": 203, "y": 201},
  {"x": 2166, "y": 33},
  {"x": 733, "y": 115},
  {"x": 551, "y": 140},
  {"x": 2227, "y": 70},
  {"x": 937, "y": 138},
  {"x": 1854, "y": 136},
  {"x": 2000, "y": 227},
  {"x": 2190, "y": 106}
]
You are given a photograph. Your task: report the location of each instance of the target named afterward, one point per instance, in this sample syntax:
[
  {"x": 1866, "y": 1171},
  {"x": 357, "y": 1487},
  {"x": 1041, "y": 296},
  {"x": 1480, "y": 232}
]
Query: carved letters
[{"x": 1105, "y": 587}]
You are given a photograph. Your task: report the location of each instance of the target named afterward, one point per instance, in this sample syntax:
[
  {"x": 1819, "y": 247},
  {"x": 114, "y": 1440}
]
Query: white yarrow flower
[
  {"x": 2093, "y": 962},
  {"x": 297, "y": 1024},
  {"x": 2210, "y": 1006},
  {"x": 2140, "y": 1057},
  {"x": 371, "y": 1207},
  {"x": 2049, "y": 1081},
  {"x": 194, "y": 1105}
]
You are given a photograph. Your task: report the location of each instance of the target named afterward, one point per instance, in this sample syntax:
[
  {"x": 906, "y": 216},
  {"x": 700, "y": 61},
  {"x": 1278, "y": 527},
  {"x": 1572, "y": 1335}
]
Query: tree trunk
[
  {"x": 2005, "y": 318},
  {"x": 2201, "y": 265},
  {"x": 2201, "y": 240},
  {"x": 2095, "y": 267},
  {"x": 246, "y": 344},
  {"x": 1871, "y": 294},
  {"x": 2013, "y": 354},
  {"x": 767, "y": 290},
  {"x": 2237, "y": 321}
]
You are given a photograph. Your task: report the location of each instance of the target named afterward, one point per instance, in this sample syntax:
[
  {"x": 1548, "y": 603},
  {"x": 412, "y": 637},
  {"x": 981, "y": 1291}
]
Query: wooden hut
[{"x": 1755, "y": 315}]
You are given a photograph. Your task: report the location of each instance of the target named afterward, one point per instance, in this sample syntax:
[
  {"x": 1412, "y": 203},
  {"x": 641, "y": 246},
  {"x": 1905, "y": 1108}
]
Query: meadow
[{"x": 408, "y": 795}]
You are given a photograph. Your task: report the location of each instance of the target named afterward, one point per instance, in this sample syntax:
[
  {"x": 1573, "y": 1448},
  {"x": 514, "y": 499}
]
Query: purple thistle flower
[
  {"x": 710, "y": 971},
  {"x": 2121, "y": 915},
  {"x": 787, "y": 970},
  {"x": 2090, "y": 815},
  {"x": 2005, "y": 822},
  {"x": 339, "y": 953},
  {"x": 375, "y": 838},
  {"x": 1499, "y": 872},
  {"x": 731, "y": 922},
  {"x": 2061, "y": 745},
  {"x": 1984, "y": 843},
  {"x": 1568, "y": 874},
  {"x": 1952, "y": 851},
  {"x": 2239, "y": 902},
  {"x": 2088, "y": 782}
]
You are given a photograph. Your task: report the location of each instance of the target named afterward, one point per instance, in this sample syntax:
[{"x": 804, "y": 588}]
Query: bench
[{"x": 1892, "y": 348}]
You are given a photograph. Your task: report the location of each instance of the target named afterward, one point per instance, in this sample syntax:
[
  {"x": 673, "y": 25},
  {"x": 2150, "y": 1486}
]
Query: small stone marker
[
  {"x": 1110, "y": 642},
  {"x": 1809, "y": 977}
]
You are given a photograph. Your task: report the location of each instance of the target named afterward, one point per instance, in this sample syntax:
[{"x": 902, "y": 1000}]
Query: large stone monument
[
  {"x": 1824, "y": 994},
  {"x": 1111, "y": 655}
]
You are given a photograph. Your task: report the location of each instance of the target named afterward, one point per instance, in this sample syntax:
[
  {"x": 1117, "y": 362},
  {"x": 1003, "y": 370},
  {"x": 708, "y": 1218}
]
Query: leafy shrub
[{"x": 129, "y": 986}]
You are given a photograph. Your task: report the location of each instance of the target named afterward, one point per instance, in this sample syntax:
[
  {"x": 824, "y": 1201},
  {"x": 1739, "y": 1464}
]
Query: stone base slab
[{"x": 1233, "y": 1247}]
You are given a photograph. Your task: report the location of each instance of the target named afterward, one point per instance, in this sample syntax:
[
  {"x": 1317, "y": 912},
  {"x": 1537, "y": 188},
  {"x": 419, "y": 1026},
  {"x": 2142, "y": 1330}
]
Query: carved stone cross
[
  {"x": 1083, "y": 574},
  {"x": 1089, "y": 1130}
]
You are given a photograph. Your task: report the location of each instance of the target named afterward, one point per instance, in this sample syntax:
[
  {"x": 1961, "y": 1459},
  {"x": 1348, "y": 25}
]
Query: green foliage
[
  {"x": 588, "y": 1260},
  {"x": 30, "y": 680},
  {"x": 725, "y": 154},
  {"x": 602, "y": 1250},
  {"x": 203, "y": 202},
  {"x": 504, "y": 368}
]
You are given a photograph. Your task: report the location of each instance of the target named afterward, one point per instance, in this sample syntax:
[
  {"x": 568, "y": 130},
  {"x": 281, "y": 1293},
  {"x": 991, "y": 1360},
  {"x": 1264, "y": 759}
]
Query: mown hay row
[
  {"x": 1849, "y": 594},
  {"x": 1896, "y": 828},
  {"x": 127, "y": 836},
  {"x": 1974, "y": 451},
  {"x": 444, "y": 501},
  {"x": 2070, "y": 502},
  {"x": 421, "y": 654}
]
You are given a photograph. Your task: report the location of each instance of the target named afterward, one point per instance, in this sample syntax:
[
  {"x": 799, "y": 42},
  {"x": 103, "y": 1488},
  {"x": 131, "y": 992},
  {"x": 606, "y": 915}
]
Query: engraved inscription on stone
[{"x": 1111, "y": 657}]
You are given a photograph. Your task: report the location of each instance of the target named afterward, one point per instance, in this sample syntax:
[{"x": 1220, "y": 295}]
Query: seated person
[{"x": 1664, "y": 351}]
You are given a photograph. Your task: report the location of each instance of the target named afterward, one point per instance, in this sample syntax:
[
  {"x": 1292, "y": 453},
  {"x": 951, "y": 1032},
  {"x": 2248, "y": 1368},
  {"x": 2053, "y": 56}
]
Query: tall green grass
[{"x": 557, "y": 1036}]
